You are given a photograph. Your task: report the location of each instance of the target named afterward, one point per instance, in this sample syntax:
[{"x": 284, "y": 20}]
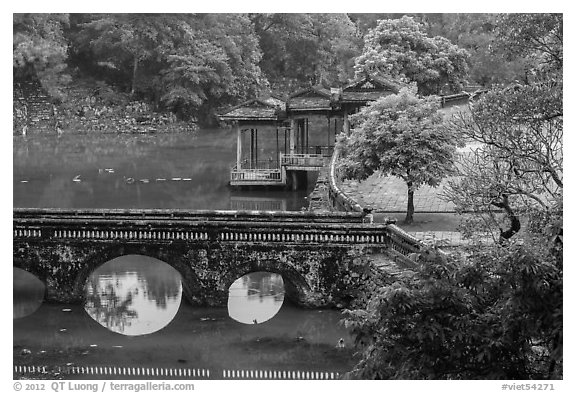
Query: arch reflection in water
[
  {"x": 133, "y": 295},
  {"x": 255, "y": 297},
  {"x": 28, "y": 293}
]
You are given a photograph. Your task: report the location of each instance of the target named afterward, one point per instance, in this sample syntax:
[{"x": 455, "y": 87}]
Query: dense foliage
[
  {"x": 40, "y": 49},
  {"x": 183, "y": 63},
  {"x": 403, "y": 136},
  {"x": 307, "y": 49},
  {"x": 495, "y": 313},
  {"x": 193, "y": 64}
]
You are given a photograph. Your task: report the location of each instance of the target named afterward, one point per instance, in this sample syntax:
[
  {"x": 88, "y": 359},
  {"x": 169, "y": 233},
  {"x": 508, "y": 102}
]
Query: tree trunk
[
  {"x": 410, "y": 209},
  {"x": 514, "y": 221},
  {"x": 134, "y": 70}
]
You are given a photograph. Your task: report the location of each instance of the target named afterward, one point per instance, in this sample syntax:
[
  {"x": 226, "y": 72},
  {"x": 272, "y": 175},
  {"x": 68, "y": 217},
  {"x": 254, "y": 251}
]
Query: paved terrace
[{"x": 387, "y": 196}]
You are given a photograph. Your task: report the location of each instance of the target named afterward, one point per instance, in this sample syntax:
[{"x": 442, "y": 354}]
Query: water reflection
[
  {"x": 256, "y": 297},
  {"x": 133, "y": 295},
  {"x": 28, "y": 293}
]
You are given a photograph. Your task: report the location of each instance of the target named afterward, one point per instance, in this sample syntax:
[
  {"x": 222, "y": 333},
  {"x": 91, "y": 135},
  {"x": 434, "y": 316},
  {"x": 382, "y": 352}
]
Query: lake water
[
  {"x": 135, "y": 314},
  {"x": 181, "y": 171}
]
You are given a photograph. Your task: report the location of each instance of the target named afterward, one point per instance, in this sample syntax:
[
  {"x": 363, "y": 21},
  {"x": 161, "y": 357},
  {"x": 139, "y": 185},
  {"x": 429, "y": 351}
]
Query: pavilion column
[
  {"x": 239, "y": 148},
  {"x": 292, "y": 135},
  {"x": 346, "y": 125},
  {"x": 328, "y": 117}
]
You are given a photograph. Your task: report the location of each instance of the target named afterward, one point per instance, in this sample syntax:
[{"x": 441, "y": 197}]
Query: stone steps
[{"x": 38, "y": 108}]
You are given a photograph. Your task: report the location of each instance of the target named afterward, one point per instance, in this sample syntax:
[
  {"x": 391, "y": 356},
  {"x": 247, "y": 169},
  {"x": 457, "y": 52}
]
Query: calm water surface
[{"x": 184, "y": 170}]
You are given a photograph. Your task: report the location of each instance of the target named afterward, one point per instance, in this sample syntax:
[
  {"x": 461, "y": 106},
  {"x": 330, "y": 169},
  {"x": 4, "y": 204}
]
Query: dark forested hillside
[{"x": 193, "y": 64}]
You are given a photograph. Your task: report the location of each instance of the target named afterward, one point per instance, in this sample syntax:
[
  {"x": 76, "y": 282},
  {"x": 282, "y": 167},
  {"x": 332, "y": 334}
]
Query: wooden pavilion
[
  {"x": 279, "y": 141},
  {"x": 258, "y": 157}
]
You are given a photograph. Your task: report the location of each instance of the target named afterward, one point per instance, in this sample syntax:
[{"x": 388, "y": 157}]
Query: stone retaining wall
[
  {"x": 338, "y": 199},
  {"x": 32, "y": 109}
]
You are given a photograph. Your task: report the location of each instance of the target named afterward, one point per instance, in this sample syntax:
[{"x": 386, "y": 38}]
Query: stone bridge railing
[{"x": 197, "y": 226}]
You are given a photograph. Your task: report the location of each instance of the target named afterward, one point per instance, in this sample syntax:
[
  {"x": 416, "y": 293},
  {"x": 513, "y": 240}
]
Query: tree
[
  {"x": 40, "y": 49},
  {"x": 538, "y": 37},
  {"x": 489, "y": 63},
  {"x": 403, "y": 136},
  {"x": 519, "y": 165},
  {"x": 217, "y": 65},
  {"x": 400, "y": 48},
  {"x": 128, "y": 41},
  {"x": 306, "y": 49}
]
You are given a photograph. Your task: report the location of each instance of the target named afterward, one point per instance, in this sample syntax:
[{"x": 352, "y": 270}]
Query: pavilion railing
[
  {"x": 261, "y": 175},
  {"x": 323, "y": 150},
  {"x": 302, "y": 160}
]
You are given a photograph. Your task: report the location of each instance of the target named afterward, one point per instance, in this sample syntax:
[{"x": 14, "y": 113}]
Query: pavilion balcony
[
  {"x": 325, "y": 151},
  {"x": 256, "y": 176},
  {"x": 295, "y": 161}
]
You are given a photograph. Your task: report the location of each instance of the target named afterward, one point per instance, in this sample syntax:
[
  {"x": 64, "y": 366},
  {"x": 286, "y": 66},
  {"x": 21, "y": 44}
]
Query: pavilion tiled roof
[
  {"x": 256, "y": 109},
  {"x": 313, "y": 98},
  {"x": 368, "y": 88},
  {"x": 317, "y": 98},
  {"x": 364, "y": 96}
]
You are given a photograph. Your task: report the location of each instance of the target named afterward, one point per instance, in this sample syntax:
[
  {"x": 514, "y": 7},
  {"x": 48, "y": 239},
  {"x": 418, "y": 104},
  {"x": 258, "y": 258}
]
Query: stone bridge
[{"x": 318, "y": 254}]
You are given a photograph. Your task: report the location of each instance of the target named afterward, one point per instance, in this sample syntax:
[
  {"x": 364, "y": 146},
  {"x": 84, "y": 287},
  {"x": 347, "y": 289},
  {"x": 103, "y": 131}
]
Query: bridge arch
[
  {"x": 190, "y": 282},
  {"x": 297, "y": 288}
]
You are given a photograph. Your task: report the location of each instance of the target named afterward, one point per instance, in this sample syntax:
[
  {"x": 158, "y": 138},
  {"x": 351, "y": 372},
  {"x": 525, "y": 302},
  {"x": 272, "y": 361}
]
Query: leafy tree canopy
[
  {"x": 489, "y": 63},
  {"x": 306, "y": 49},
  {"x": 40, "y": 49},
  {"x": 403, "y": 136},
  {"x": 401, "y": 48},
  {"x": 537, "y": 36},
  {"x": 185, "y": 62}
]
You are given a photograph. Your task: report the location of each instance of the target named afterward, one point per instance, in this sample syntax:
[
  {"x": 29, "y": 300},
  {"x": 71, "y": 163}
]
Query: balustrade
[
  {"x": 302, "y": 160},
  {"x": 283, "y": 230},
  {"x": 164, "y": 373},
  {"x": 272, "y": 175}
]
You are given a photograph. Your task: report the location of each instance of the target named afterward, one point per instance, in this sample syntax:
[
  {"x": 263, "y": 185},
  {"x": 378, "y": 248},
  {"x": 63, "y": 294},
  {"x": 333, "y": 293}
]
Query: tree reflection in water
[
  {"x": 255, "y": 297},
  {"x": 106, "y": 307},
  {"x": 133, "y": 295}
]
